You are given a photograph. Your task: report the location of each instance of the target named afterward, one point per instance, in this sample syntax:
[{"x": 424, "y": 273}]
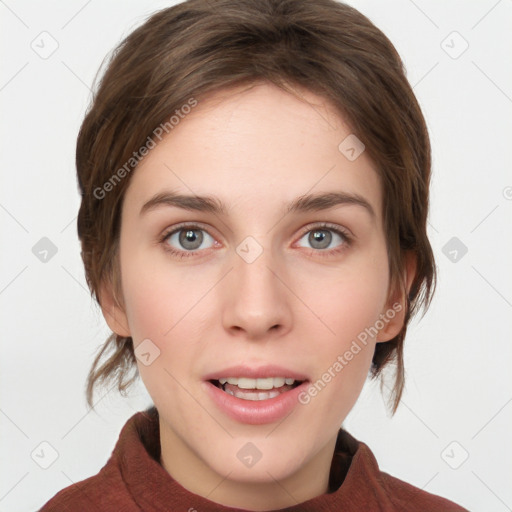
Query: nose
[{"x": 256, "y": 301}]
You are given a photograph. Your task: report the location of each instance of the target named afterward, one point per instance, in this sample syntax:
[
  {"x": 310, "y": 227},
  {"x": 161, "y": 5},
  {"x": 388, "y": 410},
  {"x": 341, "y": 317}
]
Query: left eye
[
  {"x": 321, "y": 238},
  {"x": 189, "y": 239}
]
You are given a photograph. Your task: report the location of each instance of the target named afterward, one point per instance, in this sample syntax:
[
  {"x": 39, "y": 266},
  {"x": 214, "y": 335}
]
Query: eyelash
[{"x": 347, "y": 239}]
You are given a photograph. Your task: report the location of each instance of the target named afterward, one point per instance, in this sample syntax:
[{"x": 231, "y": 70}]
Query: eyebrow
[{"x": 211, "y": 204}]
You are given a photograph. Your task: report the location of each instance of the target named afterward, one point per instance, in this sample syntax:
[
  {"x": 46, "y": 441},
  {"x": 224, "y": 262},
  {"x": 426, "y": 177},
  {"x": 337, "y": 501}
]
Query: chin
[{"x": 271, "y": 460}]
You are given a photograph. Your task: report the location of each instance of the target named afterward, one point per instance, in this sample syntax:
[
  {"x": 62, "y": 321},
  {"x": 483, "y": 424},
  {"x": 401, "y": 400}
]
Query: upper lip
[{"x": 255, "y": 372}]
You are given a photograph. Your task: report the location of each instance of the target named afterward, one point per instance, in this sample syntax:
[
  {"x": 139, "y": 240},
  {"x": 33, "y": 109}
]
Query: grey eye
[
  {"x": 321, "y": 238},
  {"x": 189, "y": 239}
]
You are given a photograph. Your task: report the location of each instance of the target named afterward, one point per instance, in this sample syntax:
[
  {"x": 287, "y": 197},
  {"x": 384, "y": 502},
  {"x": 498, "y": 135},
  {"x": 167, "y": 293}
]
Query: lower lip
[{"x": 256, "y": 412}]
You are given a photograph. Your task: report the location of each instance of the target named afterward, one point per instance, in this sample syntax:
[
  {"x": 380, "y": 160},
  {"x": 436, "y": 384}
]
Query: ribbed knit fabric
[{"x": 132, "y": 480}]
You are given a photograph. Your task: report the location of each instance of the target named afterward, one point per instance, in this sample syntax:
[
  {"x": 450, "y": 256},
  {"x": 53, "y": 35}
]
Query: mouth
[
  {"x": 256, "y": 389},
  {"x": 256, "y": 395}
]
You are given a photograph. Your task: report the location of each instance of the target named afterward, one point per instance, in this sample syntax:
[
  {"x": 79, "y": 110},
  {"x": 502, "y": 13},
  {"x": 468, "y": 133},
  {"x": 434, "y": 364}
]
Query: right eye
[{"x": 186, "y": 240}]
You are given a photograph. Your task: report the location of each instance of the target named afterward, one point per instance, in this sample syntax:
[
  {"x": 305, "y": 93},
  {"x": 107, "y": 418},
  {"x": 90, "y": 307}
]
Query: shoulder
[
  {"x": 395, "y": 494},
  {"x": 406, "y": 497},
  {"x": 114, "y": 486},
  {"x": 106, "y": 490},
  {"x": 103, "y": 491}
]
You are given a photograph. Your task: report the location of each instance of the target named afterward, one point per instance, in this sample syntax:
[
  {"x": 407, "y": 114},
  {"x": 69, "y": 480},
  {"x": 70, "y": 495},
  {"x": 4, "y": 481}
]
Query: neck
[{"x": 191, "y": 472}]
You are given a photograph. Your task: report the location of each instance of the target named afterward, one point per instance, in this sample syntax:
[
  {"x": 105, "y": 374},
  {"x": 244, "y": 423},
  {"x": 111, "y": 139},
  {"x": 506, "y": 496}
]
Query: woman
[{"x": 255, "y": 182}]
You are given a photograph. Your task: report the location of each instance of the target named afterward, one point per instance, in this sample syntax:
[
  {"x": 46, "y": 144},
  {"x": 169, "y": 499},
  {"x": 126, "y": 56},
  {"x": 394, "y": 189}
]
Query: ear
[
  {"x": 113, "y": 311},
  {"x": 393, "y": 315}
]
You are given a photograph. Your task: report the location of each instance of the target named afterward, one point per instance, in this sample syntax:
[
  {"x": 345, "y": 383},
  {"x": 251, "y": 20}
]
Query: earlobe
[
  {"x": 113, "y": 312},
  {"x": 395, "y": 312}
]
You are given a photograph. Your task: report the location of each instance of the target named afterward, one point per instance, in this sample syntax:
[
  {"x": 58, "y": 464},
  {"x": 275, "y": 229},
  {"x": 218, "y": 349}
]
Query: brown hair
[{"x": 197, "y": 47}]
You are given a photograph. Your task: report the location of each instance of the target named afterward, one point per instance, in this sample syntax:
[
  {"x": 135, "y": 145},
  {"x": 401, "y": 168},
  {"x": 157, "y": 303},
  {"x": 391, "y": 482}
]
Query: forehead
[{"x": 256, "y": 146}]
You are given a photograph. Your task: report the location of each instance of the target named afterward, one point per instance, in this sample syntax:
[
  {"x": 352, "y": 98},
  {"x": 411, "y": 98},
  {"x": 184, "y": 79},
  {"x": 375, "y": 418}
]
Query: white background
[{"x": 458, "y": 356}]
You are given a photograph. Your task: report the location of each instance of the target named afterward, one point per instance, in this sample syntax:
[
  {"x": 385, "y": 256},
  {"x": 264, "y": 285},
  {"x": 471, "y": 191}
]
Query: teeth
[
  {"x": 268, "y": 383},
  {"x": 253, "y": 396}
]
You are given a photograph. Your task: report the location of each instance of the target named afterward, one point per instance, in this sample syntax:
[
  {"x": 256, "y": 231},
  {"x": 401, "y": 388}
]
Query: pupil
[
  {"x": 323, "y": 237},
  {"x": 191, "y": 239}
]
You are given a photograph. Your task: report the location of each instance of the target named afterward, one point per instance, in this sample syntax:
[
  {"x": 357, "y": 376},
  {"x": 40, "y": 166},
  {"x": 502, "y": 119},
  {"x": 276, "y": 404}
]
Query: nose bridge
[{"x": 257, "y": 298}]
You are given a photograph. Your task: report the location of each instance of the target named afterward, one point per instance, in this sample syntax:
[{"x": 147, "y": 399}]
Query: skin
[{"x": 296, "y": 305}]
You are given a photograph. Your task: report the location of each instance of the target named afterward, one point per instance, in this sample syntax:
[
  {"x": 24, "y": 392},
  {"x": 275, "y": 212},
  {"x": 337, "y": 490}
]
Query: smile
[
  {"x": 256, "y": 389},
  {"x": 255, "y": 394}
]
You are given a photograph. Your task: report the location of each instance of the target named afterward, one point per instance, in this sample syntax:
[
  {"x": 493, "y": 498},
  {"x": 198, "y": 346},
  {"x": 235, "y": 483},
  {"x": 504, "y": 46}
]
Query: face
[{"x": 277, "y": 286}]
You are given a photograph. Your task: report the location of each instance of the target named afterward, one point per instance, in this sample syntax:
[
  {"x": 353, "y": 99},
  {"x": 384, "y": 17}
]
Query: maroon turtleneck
[{"x": 133, "y": 480}]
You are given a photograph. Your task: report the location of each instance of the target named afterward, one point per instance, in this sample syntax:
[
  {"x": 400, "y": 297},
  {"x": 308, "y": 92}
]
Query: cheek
[
  {"x": 167, "y": 306},
  {"x": 356, "y": 304},
  {"x": 351, "y": 300},
  {"x": 348, "y": 302},
  {"x": 148, "y": 308},
  {"x": 350, "y": 308},
  {"x": 157, "y": 294}
]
